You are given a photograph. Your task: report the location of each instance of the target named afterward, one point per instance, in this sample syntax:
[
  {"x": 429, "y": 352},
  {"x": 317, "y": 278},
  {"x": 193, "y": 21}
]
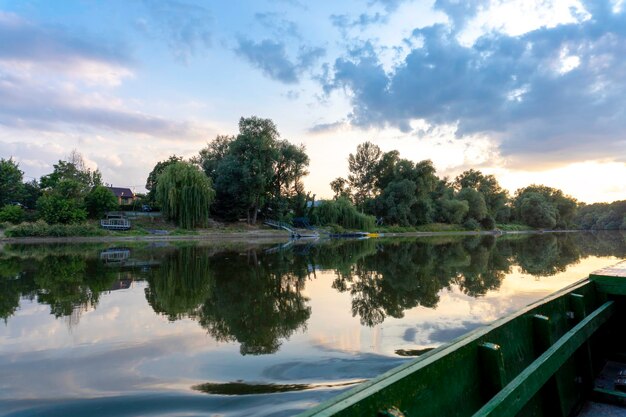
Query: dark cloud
[
  {"x": 272, "y": 59},
  {"x": 343, "y": 21},
  {"x": 186, "y": 28},
  {"x": 21, "y": 40},
  {"x": 552, "y": 90},
  {"x": 31, "y": 106}
]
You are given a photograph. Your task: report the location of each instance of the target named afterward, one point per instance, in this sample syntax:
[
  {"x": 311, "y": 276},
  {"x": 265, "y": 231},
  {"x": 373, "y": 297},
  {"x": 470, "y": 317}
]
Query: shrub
[
  {"x": 56, "y": 209},
  {"x": 12, "y": 214},
  {"x": 42, "y": 229},
  {"x": 488, "y": 223},
  {"x": 99, "y": 201},
  {"x": 341, "y": 212},
  {"x": 471, "y": 224}
]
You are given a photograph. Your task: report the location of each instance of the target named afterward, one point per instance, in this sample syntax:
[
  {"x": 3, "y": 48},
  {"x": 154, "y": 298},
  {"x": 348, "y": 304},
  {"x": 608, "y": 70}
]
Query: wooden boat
[{"x": 549, "y": 359}]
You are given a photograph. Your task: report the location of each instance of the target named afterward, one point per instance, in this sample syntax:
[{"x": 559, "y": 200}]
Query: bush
[
  {"x": 56, "y": 209},
  {"x": 471, "y": 224},
  {"x": 12, "y": 214},
  {"x": 43, "y": 229},
  {"x": 99, "y": 201},
  {"x": 341, "y": 212},
  {"x": 488, "y": 223}
]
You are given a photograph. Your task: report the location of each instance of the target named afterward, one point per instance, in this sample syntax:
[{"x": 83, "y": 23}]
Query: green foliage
[
  {"x": 476, "y": 203},
  {"x": 471, "y": 224},
  {"x": 552, "y": 206},
  {"x": 12, "y": 214},
  {"x": 11, "y": 187},
  {"x": 340, "y": 187},
  {"x": 31, "y": 193},
  {"x": 341, "y": 212},
  {"x": 210, "y": 157},
  {"x": 43, "y": 229},
  {"x": 71, "y": 178},
  {"x": 185, "y": 195},
  {"x": 453, "y": 211},
  {"x": 398, "y": 200},
  {"x": 100, "y": 200},
  {"x": 54, "y": 208},
  {"x": 152, "y": 181},
  {"x": 496, "y": 199},
  {"x": 536, "y": 211},
  {"x": 363, "y": 166},
  {"x": 488, "y": 223},
  {"x": 256, "y": 172},
  {"x": 602, "y": 216}
]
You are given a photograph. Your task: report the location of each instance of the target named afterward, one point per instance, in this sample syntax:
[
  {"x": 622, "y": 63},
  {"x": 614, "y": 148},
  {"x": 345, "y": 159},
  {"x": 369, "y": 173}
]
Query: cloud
[
  {"x": 389, "y": 5},
  {"x": 271, "y": 58},
  {"x": 186, "y": 28},
  {"x": 27, "y": 47},
  {"x": 554, "y": 92},
  {"x": 30, "y": 105},
  {"x": 279, "y": 26},
  {"x": 343, "y": 21},
  {"x": 321, "y": 128}
]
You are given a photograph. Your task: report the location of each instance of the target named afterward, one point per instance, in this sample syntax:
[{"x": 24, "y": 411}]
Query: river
[{"x": 193, "y": 329}]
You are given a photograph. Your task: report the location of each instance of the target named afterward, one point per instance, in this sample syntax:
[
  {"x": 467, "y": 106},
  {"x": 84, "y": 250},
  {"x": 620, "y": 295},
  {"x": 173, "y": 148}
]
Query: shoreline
[{"x": 261, "y": 235}]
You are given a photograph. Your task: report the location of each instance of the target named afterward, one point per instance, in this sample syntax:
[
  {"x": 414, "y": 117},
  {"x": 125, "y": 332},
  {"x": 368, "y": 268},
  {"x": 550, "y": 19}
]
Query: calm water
[{"x": 197, "y": 330}]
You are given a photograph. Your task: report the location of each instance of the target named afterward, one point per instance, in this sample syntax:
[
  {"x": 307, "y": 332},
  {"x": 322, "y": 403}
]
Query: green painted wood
[
  {"x": 425, "y": 386},
  {"x": 493, "y": 373},
  {"x": 609, "y": 396},
  {"x": 552, "y": 397},
  {"x": 611, "y": 280},
  {"x": 583, "y": 357},
  {"x": 522, "y": 388}
]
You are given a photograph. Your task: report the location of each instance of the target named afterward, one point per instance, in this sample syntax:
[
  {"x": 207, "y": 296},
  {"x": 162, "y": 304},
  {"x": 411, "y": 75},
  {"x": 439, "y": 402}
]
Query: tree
[
  {"x": 55, "y": 208},
  {"x": 11, "y": 186},
  {"x": 536, "y": 211},
  {"x": 185, "y": 194},
  {"x": 210, "y": 157},
  {"x": 151, "y": 182},
  {"x": 563, "y": 206},
  {"x": 340, "y": 187},
  {"x": 72, "y": 170},
  {"x": 476, "y": 203},
  {"x": 363, "y": 167},
  {"x": 245, "y": 175},
  {"x": 496, "y": 199},
  {"x": 100, "y": 200}
]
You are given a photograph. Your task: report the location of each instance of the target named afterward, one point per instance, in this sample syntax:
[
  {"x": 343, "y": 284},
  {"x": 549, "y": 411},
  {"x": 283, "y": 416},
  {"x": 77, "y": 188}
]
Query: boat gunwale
[{"x": 356, "y": 394}]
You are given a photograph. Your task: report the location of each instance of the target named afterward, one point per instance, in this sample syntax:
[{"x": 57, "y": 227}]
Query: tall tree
[
  {"x": 152, "y": 181},
  {"x": 185, "y": 194},
  {"x": 210, "y": 157},
  {"x": 245, "y": 175},
  {"x": 363, "y": 167},
  {"x": 11, "y": 186},
  {"x": 496, "y": 199}
]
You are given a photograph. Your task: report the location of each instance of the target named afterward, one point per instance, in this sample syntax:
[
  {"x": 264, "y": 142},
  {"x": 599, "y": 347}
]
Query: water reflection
[{"x": 256, "y": 296}]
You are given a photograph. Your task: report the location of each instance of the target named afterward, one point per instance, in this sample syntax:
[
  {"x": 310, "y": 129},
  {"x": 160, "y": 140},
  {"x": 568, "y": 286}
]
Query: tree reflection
[
  {"x": 254, "y": 297},
  {"x": 256, "y": 300}
]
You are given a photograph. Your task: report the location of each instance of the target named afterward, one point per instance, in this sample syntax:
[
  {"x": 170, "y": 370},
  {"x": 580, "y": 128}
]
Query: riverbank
[{"x": 265, "y": 235}]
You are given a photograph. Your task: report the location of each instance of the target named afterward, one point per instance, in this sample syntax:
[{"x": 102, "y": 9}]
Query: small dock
[{"x": 115, "y": 221}]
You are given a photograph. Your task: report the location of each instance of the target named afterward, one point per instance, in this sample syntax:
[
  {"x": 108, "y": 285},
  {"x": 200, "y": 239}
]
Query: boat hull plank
[{"x": 458, "y": 379}]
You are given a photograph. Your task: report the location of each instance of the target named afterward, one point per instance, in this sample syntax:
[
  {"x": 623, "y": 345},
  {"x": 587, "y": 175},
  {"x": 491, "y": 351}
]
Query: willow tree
[{"x": 185, "y": 195}]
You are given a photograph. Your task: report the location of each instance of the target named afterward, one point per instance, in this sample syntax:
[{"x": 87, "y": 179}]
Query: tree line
[{"x": 256, "y": 174}]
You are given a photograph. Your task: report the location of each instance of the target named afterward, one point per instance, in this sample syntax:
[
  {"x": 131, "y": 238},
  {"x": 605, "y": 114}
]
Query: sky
[{"x": 531, "y": 91}]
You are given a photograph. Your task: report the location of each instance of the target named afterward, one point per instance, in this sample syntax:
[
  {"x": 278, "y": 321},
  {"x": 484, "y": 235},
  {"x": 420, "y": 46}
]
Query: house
[{"x": 124, "y": 195}]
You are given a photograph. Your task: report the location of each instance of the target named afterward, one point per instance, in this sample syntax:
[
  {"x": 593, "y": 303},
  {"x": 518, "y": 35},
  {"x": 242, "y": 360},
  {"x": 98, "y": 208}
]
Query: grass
[{"x": 513, "y": 227}]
